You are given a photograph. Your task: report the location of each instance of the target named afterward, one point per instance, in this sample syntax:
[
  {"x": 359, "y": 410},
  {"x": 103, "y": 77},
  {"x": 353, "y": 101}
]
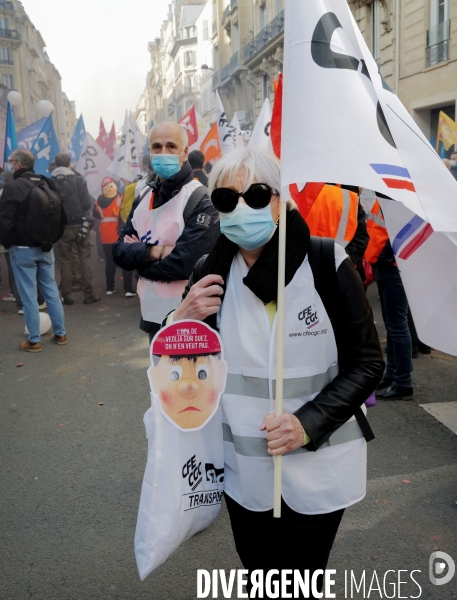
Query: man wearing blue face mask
[{"x": 171, "y": 225}]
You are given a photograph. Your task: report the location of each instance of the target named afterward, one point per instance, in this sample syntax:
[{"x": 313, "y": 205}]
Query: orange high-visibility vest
[
  {"x": 376, "y": 228},
  {"x": 329, "y": 210},
  {"x": 110, "y": 217}
]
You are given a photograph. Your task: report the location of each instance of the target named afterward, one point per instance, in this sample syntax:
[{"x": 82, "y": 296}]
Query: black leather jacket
[{"x": 359, "y": 357}]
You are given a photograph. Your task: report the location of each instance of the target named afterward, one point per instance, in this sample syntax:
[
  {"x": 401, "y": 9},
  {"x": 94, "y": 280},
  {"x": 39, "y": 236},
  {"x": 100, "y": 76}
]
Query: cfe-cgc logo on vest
[
  {"x": 199, "y": 478},
  {"x": 309, "y": 316}
]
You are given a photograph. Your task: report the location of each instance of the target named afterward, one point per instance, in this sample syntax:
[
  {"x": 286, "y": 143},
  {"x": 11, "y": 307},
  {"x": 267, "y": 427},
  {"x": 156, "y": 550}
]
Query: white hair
[
  {"x": 182, "y": 131},
  {"x": 259, "y": 165}
]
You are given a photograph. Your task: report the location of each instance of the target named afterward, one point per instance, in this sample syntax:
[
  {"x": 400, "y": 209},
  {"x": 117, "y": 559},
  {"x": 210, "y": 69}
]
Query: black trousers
[
  {"x": 294, "y": 541},
  {"x": 110, "y": 271}
]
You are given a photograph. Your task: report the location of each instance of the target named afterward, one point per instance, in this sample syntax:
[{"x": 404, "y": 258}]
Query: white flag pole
[{"x": 277, "y": 460}]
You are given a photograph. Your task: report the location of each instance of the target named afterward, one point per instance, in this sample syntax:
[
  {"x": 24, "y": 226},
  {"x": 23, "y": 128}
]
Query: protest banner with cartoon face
[
  {"x": 183, "y": 482},
  {"x": 188, "y": 373}
]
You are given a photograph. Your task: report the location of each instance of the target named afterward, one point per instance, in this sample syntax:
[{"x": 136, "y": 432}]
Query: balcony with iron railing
[
  {"x": 6, "y": 61},
  {"x": 216, "y": 79},
  {"x": 438, "y": 44},
  {"x": 232, "y": 66},
  {"x": 233, "y": 4},
  {"x": 268, "y": 34},
  {"x": 11, "y": 34}
]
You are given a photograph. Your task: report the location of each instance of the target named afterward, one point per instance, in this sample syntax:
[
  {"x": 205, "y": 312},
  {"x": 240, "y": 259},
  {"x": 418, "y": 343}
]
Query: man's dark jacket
[
  {"x": 80, "y": 196},
  {"x": 199, "y": 235},
  {"x": 14, "y": 193}
]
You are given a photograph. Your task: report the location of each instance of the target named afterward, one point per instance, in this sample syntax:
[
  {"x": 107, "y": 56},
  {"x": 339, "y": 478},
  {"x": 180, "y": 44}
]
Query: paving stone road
[{"x": 71, "y": 471}]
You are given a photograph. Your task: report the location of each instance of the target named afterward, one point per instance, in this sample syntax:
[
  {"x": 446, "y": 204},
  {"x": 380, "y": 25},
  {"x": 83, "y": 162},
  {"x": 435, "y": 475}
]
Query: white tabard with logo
[
  {"x": 184, "y": 478},
  {"x": 332, "y": 478},
  {"x": 161, "y": 226}
]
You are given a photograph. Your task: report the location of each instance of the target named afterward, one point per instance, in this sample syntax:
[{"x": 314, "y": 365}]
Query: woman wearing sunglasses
[{"x": 234, "y": 289}]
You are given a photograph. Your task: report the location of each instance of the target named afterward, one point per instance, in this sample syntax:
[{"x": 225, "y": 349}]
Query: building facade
[
  {"x": 26, "y": 67},
  {"x": 239, "y": 44}
]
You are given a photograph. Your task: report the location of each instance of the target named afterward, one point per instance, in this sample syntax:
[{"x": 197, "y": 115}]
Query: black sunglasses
[{"x": 258, "y": 195}]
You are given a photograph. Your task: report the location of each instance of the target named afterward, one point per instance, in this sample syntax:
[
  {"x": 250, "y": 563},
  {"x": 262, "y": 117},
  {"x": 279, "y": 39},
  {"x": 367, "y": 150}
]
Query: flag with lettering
[
  {"x": 211, "y": 147},
  {"x": 226, "y": 141},
  {"x": 447, "y": 130},
  {"x": 260, "y": 137},
  {"x": 27, "y": 136},
  {"x": 235, "y": 132},
  {"x": 10, "y": 134},
  {"x": 202, "y": 128},
  {"x": 102, "y": 139},
  {"x": 189, "y": 122},
  {"x": 111, "y": 146},
  {"x": 93, "y": 165},
  {"x": 77, "y": 140},
  {"x": 45, "y": 147},
  {"x": 341, "y": 122},
  {"x": 126, "y": 162}
]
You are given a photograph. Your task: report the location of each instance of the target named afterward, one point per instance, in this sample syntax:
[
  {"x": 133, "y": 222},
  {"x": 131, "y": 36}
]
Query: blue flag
[
  {"x": 27, "y": 136},
  {"x": 10, "y": 135},
  {"x": 77, "y": 140},
  {"x": 45, "y": 148}
]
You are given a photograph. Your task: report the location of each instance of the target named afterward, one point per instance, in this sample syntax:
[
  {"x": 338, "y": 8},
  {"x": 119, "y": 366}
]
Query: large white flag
[
  {"x": 93, "y": 165},
  {"x": 342, "y": 123},
  {"x": 225, "y": 137},
  {"x": 260, "y": 137},
  {"x": 235, "y": 131},
  {"x": 126, "y": 163},
  {"x": 140, "y": 140}
]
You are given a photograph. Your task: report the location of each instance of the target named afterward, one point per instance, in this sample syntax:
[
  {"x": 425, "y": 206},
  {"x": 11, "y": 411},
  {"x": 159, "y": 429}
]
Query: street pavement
[{"x": 71, "y": 471}]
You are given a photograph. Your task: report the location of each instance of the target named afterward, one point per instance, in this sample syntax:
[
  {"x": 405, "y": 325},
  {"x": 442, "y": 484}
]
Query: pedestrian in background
[
  {"x": 107, "y": 209},
  {"x": 76, "y": 202},
  {"x": 168, "y": 229},
  {"x": 29, "y": 262},
  {"x": 196, "y": 161}
]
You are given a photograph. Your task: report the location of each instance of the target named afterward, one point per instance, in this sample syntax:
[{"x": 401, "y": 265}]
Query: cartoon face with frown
[{"x": 188, "y": 373}]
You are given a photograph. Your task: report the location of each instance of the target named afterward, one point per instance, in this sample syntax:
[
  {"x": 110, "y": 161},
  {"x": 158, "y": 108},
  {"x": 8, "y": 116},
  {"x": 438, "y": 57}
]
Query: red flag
[
  {"x": 102, "y": 139},
  {"x": 189, "y": 122},
  {"x": 111, "y": 144},
  {"x": 276, "y": 119}
]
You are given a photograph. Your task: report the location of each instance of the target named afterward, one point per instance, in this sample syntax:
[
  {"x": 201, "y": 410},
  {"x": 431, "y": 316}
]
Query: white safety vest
[
  {"x": 332, "y": 478},
  {"x": 162, "y": 226}
]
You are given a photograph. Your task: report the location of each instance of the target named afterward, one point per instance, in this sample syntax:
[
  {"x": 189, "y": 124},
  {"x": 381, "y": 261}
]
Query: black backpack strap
[
  {"x": 321, "y": 257},
  {"x": 194, "y": 200}
]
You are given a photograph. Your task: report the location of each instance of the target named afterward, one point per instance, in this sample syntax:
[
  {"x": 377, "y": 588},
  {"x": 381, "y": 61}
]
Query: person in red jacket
[{"x": 107, "y": 208}]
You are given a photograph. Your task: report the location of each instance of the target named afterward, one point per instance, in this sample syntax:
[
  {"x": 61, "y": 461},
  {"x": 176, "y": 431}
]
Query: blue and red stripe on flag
[
  {"x": 399, "y": 179},
  {"x": 411, "y": 237}
]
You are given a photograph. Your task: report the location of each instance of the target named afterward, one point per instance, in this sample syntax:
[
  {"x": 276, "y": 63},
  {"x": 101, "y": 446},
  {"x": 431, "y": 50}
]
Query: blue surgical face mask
[
  {"x": 166, "y": 165},
  {"x": 248, "y": 227}
]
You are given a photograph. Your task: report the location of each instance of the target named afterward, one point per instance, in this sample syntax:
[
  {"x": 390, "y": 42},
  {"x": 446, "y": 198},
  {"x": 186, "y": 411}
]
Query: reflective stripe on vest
[
  {"x": 341, "y": 234},
  {"x": 377, "y": 231},
  {"x": 257, "y": 387},
  {"x": 258, "y": 446},
  {"x": 109, "y": 220},
  {"x": 378, "y": 219}
]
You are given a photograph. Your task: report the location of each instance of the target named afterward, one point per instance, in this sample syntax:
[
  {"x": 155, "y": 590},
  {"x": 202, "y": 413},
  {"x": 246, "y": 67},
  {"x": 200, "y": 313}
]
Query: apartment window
[
  {"x": 235, "y": 39},
  {"x": 3, "y": 23},
  {"x": 190, "y": 83},
  {"x": 205, "y": 30},
  {"x": 189, "y": 58},
  {"x": 279, "y": 6},
  {"x": 5, "y": 54},
  {"x": 7, "y": 81},
  {"x": 438, "y": 35},
  {"x": 262, "y": 16},
  {"x": 177, "y": 67},
  {"x": 266, "y": 86},
  {"x": 376, "y": 31}
]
